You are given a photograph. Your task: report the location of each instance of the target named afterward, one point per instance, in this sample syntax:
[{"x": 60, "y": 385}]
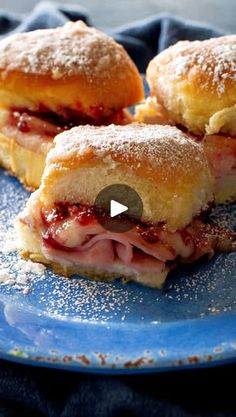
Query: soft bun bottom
[
  {"x": 31, "y": 242},
  {"x": 25, "y": 164}
]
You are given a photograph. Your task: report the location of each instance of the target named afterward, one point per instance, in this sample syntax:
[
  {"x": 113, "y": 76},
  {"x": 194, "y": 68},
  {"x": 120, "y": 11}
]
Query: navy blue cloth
[
  {"x": 27, "y": 391},
  {"x": 38, "y": 392}
]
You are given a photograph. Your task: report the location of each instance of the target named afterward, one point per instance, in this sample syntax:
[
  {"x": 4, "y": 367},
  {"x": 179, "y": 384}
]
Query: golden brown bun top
[
  {"x": 166, "y": 168},
  {"x": 196, "y": 81},
  {"x": 74, "y": 56}
]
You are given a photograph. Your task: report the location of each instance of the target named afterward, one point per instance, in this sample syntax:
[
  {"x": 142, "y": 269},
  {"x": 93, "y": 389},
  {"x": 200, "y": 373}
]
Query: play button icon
[{"x": 118, "y": 208}]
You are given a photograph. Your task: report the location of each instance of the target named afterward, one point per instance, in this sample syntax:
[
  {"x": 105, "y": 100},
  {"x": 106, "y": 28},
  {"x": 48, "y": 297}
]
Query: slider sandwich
[
  {"x": 59, "y": 226},
  {"x": 193, "y": 86},
  {"x": 53, "y": 79}
]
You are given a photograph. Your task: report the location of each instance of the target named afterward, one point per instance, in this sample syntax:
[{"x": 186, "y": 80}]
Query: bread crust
[
  {"x": 166, "y": 168},
  {"x": 73, "y": 71},
  {"x": 195, "y": 82},
  {"x": 169, "y": 171},
  {"x": 73, "y": 67}
]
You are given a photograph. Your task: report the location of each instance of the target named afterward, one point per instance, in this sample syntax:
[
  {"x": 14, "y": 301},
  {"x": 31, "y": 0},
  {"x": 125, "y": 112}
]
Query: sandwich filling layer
[
  {"x": 70, "y": 234},
  {"x": 35, "y": 130}
]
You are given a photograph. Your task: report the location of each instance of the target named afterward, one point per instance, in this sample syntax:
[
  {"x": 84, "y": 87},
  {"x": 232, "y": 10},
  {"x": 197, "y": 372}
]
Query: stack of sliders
[
  {"x": 59, "y": 226},
  {"x": 53, "y": 79},
  {"x": 193, "y": 86}
]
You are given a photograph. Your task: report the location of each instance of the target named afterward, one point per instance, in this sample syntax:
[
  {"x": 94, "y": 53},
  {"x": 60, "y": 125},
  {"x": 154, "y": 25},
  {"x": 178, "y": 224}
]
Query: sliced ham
[
  {"x": 28, "y": 131},
  {"x": 124, "y": 252},
  {"x": 73, "y": 234},
  {"x": 33, "y": 132},
  {"x": 101, "y": 254},
  {"x": 90, "y": 244}
]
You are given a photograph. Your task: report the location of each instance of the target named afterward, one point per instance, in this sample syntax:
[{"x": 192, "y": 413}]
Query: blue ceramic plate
[{"x": 112, "y": 327}]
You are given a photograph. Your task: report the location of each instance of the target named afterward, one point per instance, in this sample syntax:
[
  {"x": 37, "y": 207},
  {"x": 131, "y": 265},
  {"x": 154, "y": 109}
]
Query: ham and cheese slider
[
  {"x": 193, "y": 86},
  {"x": 59, "y": 225},
  {"x": 53, "y": 79}
]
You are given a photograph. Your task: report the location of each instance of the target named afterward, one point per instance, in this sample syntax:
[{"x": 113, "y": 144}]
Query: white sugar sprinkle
[
  {"x": 4, "y": 275},
  {"x": 214, "y": 60},
  {"x": 157, "y": 145},
  {"x": 19, "y": 272},
  {"x": 74, "y": 49}
]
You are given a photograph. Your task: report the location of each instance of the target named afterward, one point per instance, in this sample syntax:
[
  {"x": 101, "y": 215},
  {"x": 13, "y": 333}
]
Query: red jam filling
[
  {"x": 52, "y": 123},
  {"x": 86, "y": 215},
  {"x": 21, "y": 124},
  {"x": 54, "y": 214},
  {"x": 83, "y": 214},
  {"x": 26, "y": 122}
]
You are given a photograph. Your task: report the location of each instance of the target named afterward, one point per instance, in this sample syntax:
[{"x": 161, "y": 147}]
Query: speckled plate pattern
[{"x": 83, "y": 325}]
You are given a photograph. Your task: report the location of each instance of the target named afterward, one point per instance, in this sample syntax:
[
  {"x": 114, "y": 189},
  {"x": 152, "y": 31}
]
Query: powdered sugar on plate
[{"x": 15, "y": 271}]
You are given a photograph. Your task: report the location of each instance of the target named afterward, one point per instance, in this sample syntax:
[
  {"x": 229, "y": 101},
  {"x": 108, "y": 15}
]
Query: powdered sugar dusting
[
  {"x": 158, "y": 146},
  {"x": 74, "y": 49},
  {"x": 15, "y": 271},
  {"x": 214, "y": 61},
  {"x": 107, "y": 299}
]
